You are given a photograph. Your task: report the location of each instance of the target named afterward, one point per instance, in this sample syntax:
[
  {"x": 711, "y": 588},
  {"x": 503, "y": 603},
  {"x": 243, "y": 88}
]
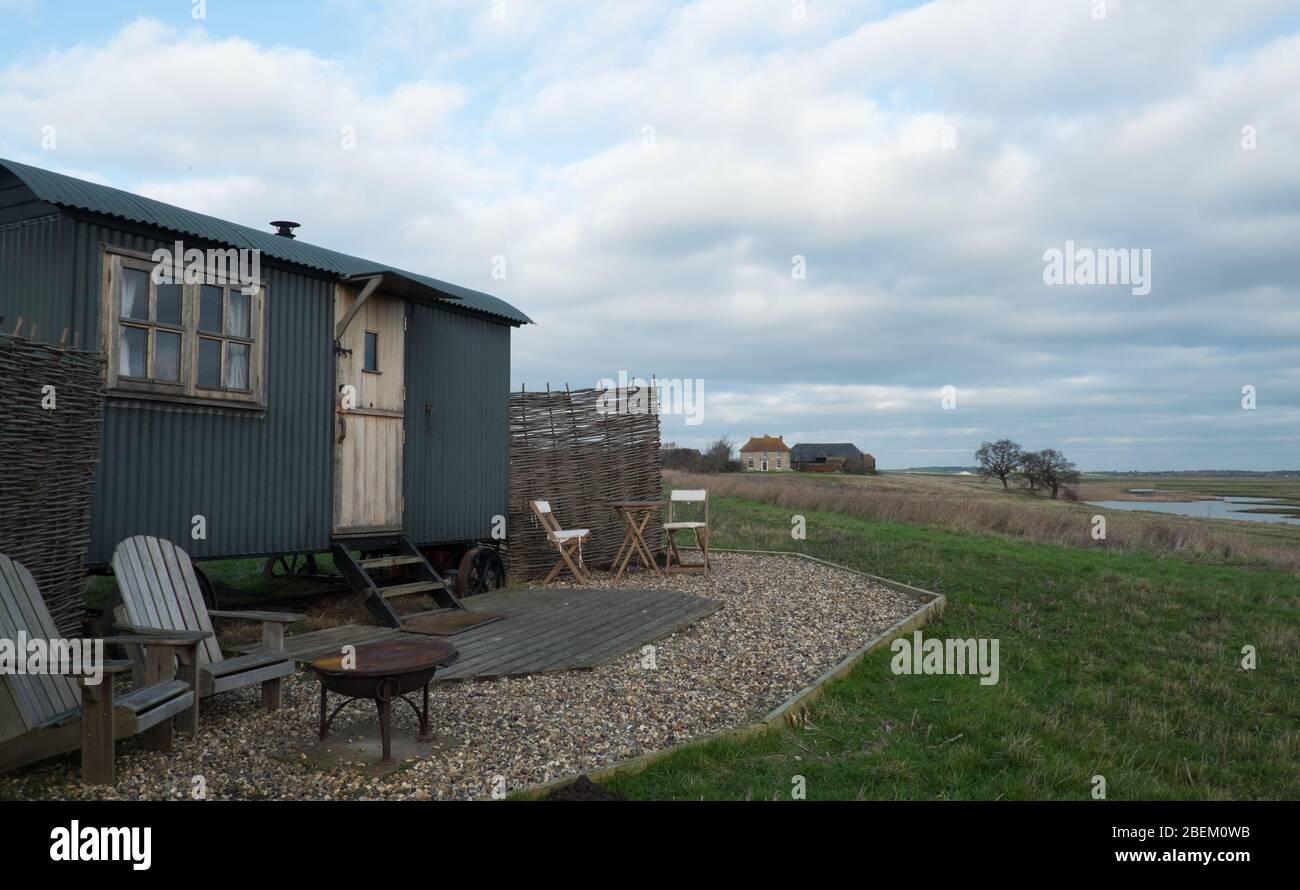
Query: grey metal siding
[
  {"x": 35, "y": 277},
  {"x": 457, "y": 459},
  {"x": 262, "y": 481}
]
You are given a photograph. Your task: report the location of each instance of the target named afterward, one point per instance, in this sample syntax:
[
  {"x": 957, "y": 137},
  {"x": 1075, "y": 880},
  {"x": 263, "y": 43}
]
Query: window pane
[
  {"x": 135, "y": 294},
  {"x": 132, "y": 352},
  {"x": 210, "y": 309},
  {"x": 168, "y": 304},
  {"x": 236, "y": 366},
  {"x": 210, "y": 363},
  {"x": 237, "y": 313},
  {"x": 166, "y": 356},
  {"x": 372, "y": 351}
]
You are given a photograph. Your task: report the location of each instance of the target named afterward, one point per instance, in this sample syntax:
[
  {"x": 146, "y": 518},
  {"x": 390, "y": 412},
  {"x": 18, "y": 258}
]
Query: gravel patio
[{"x": 783, "y": 622}]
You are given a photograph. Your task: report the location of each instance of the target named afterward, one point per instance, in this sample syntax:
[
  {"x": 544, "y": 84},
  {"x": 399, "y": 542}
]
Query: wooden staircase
[{"x": 361, "y": 559}]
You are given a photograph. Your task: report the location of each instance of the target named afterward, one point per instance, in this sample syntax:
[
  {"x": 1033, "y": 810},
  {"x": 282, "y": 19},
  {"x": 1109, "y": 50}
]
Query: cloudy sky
[{"x": 827, "y": 211}]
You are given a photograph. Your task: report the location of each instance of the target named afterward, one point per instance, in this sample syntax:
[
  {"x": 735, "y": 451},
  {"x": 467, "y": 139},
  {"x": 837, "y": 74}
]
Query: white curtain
[
  {"x": 135, "y": 294},
  {"x": 128, "y": 364},
  {"x": 237, "y": 305},
  {"x": 236, "y": 366}
]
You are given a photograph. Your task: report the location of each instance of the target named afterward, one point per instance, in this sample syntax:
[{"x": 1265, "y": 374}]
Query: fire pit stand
[{"x": 382, "y": 672}]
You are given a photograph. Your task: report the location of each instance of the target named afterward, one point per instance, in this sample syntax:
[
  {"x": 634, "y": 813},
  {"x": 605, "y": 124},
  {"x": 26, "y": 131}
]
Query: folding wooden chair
[
  {"x": 568, "y": 541},
  {"x": 699, "y": 527}
]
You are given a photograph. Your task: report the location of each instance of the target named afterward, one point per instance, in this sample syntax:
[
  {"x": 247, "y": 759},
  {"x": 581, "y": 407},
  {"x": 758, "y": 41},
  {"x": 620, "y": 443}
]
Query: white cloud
[{"x": 772, "y": 137}]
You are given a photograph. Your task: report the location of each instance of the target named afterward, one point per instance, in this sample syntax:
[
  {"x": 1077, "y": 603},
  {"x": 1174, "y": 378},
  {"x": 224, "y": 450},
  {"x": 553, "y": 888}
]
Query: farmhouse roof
[
  {"x": 809, "y": 451},
  {"x": 764, "y": 443},
  {"x": 78, "y": 194}
]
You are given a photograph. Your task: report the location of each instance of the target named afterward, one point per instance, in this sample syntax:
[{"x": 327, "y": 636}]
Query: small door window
[{"x": 372, "y": 352}]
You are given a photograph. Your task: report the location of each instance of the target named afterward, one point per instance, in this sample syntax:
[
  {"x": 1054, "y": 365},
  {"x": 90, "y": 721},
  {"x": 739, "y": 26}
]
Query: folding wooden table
[{"x": 635, "y": 516}]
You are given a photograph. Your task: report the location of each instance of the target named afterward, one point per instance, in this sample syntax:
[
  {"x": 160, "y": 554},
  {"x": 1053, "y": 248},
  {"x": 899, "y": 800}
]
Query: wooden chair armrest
[
  {"x": 280, "y": 617},
  {"x": 142, "y": 630},
  {"x": 161, "y": 638},
  {"x": 167, "y": 650},
  {"x": 108, "y": 666}
]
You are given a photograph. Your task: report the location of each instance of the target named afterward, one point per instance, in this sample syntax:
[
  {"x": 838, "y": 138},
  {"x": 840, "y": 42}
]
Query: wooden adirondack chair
[
  {"x": 160, "y": 593},
  {"x": 42, "y": 715}
]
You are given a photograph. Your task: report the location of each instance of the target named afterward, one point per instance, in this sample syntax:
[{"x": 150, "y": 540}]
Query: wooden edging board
[{"x": 789, "y": 712}]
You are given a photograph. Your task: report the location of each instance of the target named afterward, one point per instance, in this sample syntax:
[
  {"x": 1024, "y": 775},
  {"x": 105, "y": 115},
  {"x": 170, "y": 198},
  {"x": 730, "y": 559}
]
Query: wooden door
[{"x": 368, "y": 432}]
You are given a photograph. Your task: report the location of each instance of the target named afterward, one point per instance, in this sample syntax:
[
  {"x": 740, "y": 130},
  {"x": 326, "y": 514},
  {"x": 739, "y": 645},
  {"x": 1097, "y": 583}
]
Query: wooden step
[
  {"x": 383, "y": 562},
  {"x": 416, "y": 587}
]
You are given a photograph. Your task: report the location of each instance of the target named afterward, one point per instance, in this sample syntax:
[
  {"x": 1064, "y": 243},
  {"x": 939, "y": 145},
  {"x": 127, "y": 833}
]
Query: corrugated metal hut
[{"x": 332, "y": 398}]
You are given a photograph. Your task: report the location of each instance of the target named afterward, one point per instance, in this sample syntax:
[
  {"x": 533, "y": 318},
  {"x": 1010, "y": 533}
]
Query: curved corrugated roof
[{"x": 68, "y": 191}]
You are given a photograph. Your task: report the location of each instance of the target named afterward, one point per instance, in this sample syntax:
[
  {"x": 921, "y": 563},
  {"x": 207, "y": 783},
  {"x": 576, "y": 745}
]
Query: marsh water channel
[{"x": 1231, "y": 507}]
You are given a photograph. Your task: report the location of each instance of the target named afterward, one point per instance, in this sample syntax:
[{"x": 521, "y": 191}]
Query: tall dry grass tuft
[{"x": 1037, "y": 519}]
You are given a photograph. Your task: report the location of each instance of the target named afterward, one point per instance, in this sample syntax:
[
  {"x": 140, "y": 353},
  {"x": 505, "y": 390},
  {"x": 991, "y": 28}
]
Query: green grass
[{"x": 1123, "y": 664}]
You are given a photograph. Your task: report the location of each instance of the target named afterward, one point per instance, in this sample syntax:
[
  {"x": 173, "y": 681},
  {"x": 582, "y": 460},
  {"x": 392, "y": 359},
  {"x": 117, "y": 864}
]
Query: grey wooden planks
[{"x": 545, "y": 630}]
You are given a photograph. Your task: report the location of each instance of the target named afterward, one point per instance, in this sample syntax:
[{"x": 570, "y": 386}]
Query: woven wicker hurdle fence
[
  {"x": 580, "y": 450},
  {"x": 49, "y": 447}
]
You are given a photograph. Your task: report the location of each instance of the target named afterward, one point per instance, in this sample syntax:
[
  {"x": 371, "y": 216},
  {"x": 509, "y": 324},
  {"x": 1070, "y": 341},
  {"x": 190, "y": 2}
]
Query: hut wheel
[
  {"x": 205, "y": 587},
  {"x": 283, "y": 565},
  {"x": 480, "y": 570}
]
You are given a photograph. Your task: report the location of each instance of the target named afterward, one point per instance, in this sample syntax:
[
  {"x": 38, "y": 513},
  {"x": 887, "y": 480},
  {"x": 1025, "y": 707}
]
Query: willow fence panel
[
  {"x": 580, "y": 450},
  {"x": 49, "y": 447}
]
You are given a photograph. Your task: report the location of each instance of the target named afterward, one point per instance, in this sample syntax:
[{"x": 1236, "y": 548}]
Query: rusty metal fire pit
[{"x": 382, "y": 672}]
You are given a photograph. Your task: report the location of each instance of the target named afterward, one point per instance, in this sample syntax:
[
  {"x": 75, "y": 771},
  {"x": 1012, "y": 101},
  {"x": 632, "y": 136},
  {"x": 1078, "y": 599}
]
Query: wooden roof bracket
[{"x": 372, "y": 284}]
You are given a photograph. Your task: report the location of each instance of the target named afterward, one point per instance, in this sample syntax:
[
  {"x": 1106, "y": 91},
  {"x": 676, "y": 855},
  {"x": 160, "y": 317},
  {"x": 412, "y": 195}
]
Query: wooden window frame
[{"x": 187, "y": 391}]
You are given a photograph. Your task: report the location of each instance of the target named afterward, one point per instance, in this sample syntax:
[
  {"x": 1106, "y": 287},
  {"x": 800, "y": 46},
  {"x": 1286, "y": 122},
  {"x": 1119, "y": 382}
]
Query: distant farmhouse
[
  {"x": 831, "y": 457},
  {"x": 765, "y": 454}
]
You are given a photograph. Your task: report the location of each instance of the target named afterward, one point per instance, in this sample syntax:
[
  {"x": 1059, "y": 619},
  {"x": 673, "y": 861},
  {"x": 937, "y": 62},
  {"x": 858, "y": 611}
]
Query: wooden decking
[{"x": 544, "y": 630}]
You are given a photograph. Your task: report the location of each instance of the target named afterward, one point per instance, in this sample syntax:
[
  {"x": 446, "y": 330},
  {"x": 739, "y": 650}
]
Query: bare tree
[
  {"x": 673, "y": 457},
  {"x": 1056, "y": 470},
  {"x": 717, "y": 458},
  {"x": 714, "y": 459},
  {"x": 999, "y": 459},
  {"x": 1031, "y": 469}
]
